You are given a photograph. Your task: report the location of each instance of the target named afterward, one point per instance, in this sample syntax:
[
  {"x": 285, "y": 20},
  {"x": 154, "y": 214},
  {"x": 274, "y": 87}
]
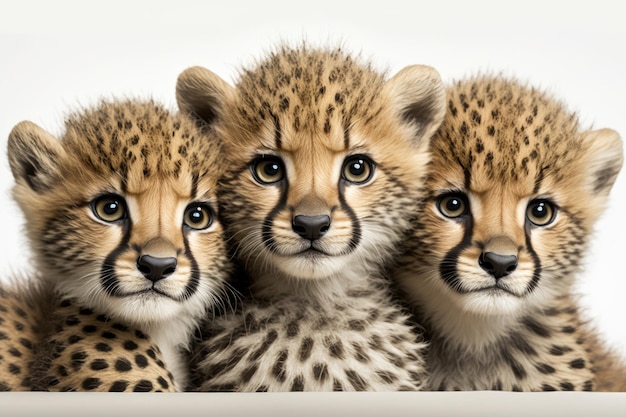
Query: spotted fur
[
  {"x": 324, "y": 166},
  {"x": 20, "y": 314},
  {"x": 514, "y": 189},
  {"x": 121, "y": 214}
]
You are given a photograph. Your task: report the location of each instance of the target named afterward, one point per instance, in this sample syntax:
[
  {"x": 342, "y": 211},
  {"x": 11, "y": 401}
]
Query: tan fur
[
  {"x": 505, "y": 148},
  {"x": 105, "y": 273},
  {"x": 319, "y": 315}
]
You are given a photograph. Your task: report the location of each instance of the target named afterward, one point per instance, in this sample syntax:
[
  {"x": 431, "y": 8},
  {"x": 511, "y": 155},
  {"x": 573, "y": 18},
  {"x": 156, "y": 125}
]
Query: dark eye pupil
[
  {"x": 196, "y": 215},
  {"x": 357, "y": 168},
  {"x": 271, "y": 169},
  {"x": 111, "y": 208},
  {"x": 453, "y": 204},
  {"x": 540, "y": 210}
]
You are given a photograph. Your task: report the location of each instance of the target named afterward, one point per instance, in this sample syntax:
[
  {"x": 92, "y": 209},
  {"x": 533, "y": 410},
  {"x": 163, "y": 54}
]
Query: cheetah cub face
[
  {"x": 121, "y": 211},
  {"x": 514, "y": 190},
  {"x": 321, "y": 153}
]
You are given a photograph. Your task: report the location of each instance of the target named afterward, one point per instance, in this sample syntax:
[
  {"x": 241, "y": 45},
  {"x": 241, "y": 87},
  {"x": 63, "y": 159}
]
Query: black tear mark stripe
[
  {"x": 108, "y": 277},
  {"x": 356, "y": 225},
  {"x": 448, "y": 267},
  {"x": 536, "y": 261},
  {"x": 346, "y": 135},
  {"x": 194, "y": 280},
  {"x": 266, "y": 230}
]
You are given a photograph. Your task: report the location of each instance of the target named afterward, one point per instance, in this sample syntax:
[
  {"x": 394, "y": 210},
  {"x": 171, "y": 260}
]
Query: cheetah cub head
[
  {"x": 121, "y": 211},
  {"x": 515, "y": 188},
  {"x": 325, "y": 158}
]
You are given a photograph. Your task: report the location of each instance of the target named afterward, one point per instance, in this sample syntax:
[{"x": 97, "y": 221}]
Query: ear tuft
[
  {"x": 33, "y": 156},
  {"x": 202, "y": 93},
  {"x": 418, "y": 98},
  {"x": 605, "y": 157}
]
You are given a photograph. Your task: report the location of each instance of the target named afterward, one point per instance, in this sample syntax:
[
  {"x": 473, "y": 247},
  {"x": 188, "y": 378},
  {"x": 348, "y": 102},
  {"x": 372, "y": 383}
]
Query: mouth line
[
  {"x": 311, "y": 252},
  {"x": 151, "y": 290},
  {"x": 494, "y": 288}
]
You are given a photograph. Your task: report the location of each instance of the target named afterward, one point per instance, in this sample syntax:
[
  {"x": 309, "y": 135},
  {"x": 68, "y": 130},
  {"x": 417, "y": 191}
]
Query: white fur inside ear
[
  {"x": 418, "y": 98},
  {"x": 202, "y": 93},
  {"x": 605, "y": 157},
  {"x": 33, "y": 155}
]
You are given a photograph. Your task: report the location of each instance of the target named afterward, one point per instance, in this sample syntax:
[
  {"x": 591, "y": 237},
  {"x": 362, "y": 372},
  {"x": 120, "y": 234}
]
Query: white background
[{"x": 56, "y": 56}]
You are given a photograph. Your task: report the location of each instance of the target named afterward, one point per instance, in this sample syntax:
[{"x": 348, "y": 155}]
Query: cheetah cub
[
  {"x": 324, "y": 166},
  {"x": 514, "y": 189},
  {"x": 121, "y": 216}
]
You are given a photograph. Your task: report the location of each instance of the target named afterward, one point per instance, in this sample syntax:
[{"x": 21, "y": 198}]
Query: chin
[
  {"x": 142, "y": 309},
  {"x": 491, "y": 302},
  {"x": 311, "y": 266}
]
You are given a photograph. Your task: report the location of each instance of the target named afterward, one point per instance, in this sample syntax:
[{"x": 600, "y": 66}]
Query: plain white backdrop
[{"x": 56, "y": 56}]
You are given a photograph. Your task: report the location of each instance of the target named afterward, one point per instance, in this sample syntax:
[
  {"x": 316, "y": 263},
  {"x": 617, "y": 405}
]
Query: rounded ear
[
  {"x": 605, "y": 157},
  {"x": 34, "y": 155},
  {"x": 202, "y": 93},
  {"x": 418, "y": 98}
]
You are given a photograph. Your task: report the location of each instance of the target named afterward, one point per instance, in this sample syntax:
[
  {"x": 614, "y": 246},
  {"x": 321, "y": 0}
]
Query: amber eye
[
  {"x": 357, "y": 169},
  {"x": 198, "y": 216},
  {"x": 268, "y": 170},
  {"x": 109, "y": 208},
  {"x": 453, "y": 205},
  {"x": 541, "y": 212}
]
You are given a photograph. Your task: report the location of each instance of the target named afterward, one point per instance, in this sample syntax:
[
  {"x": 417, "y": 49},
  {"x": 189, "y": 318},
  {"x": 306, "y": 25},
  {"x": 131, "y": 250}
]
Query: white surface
[
  {"x": 342, "y": 404},
  {"x": 58, "y": 55}
]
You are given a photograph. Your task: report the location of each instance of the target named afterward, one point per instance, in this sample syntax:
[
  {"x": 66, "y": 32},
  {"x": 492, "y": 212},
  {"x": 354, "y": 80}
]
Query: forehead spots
[
  {"x": 137, "y": 140},
  {"x": 317, "y": 94},
  {"x": 499, "y": 130}
]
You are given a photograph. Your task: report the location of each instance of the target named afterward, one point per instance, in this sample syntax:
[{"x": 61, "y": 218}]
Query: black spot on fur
[
  {"x": 336, "y": 350},
  {"x": 26, "y": 343},
  {"x": 577, "y": 363},
  {"x": 163, "y": 383},
  {"x": 306, "y": 347},
  {"x": 130, "y": 345},
  {"x": 278, "y": 370},
  {"x": 544, "y": 368},
  {"x": 320, "y": 372},
  {"x": 72, "y": 321},
  {"x": 141, "y": 361},
  {"x": 293, "y": 328},
  {"x": 78, "y": 359},
  {"x": 99, "y": 364},
  {"x": 91, "y": 384},
  {"x": 103, "y": 347},
  {"x": 272, "y": 335},
  {"x": 248, "y": 373},
  {"x": 536, "y": 327},
  {"x": 559, "y": 350},
  {"x": 143, "y": 386},
  {"x": 14, "y": 369},
  {"x": 90, "y": 329},
  {"x": 356, "y": 380},
  {"x": 298, "y": 384},
  {"x": 123, "y": 365},
  {"x": 120, "y": 327}
]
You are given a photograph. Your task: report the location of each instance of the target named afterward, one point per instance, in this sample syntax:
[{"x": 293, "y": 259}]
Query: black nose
[
  {"x": 154, "y": 268},
  {"x": 498, "y": 265},
  {"x": 311, "y": 227}
]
